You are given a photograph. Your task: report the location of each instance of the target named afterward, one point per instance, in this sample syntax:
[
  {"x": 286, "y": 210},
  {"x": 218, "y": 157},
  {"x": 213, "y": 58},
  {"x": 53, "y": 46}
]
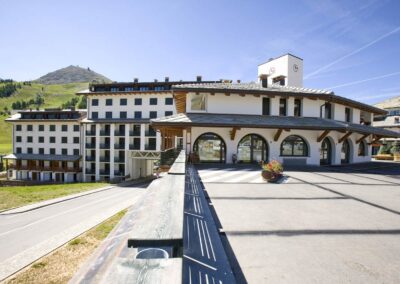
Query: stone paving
[{"x": 322, "y": 225}]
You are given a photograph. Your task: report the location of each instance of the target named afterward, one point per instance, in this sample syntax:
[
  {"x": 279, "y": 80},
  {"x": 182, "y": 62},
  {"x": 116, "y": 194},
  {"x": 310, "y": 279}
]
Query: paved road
[
  {"x": 27, "y": 236},
  {"x": 323, "y": 225}
]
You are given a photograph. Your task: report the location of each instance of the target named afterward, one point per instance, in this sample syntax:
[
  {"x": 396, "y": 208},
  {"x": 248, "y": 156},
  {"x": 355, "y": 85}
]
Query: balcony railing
[
  {"x": 90, "y": 171},
  {"x": 118, "y": 173},
  {"x": 119, "y": 146},
  {"x": 90, "y": 145},
  {"x": 104, "y": 132},
  {"x": 119, "y": 133},
  {"x": 150, "y": 147},
  {"x": 105, "y": 159},
  {"x": 105, "y": 172},
  {"x": 134, "y": 133},
  {"x": 104, "y": 146},
  {"x": 151, "y": 133},
  {"x": 119, "y": 159},
  {"x": 134, "y": 147},
  {"x": 90, "y": 158},
  {"x": 90, "y": 133}
]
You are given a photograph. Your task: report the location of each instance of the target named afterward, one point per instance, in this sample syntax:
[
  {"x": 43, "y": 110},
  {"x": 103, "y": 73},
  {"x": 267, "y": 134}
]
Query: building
[
  {"x": 46, "y": 145},
  {"x": 275, "y": 118}
]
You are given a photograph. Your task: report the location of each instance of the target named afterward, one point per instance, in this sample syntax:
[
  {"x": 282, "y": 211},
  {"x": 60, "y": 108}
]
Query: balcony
[
  {"x": 90, "y": 145},
  {"x": 118, "y": 173},
  {"x": 119, "y": 146},
  {"x": 90, "y": 171},
  {"x": 90, "y": 158},
  {"x": 119, "y": 133},
  {"x": 105, "y": 159},
  {"x": 151, "y": 133},
  {"x": 134, "y": 147},
  {"x": 105, "y": 172},
  {"x": 119, "y": 159},
  {"x": 150, "y": 147},
  {"x": 134, "y": 133},
  {"x": 104, "y": 146},
  {"x": 104, "y": 132},
  {"x": 90, "y": 133}
]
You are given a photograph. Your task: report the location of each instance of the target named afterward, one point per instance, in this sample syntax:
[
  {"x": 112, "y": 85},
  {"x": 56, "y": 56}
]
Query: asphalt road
[{"x": 25, "y": 237}]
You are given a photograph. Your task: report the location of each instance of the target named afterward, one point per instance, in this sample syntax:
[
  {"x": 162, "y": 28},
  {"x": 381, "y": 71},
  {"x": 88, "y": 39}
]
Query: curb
[{"x": 4, "y": 212}]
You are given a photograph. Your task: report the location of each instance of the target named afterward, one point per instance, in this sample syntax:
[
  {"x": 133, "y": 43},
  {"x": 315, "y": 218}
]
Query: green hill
[
  {"x": 72, "y": 74},
  {"x": 53, "y": 96}
]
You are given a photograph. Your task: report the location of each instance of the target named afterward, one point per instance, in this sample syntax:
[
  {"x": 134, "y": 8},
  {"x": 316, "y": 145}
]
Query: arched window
[
  {"x": 252, "y": 148},
  {"x": 210, "y": 148},
  {"x": 294, "y": 146},
  {"x": 362, "y": 149},
  {"x": 346, "y": 152}
]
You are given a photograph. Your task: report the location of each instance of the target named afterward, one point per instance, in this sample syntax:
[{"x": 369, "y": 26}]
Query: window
[
  {"x": 282, "y": 107},
  {"x": 52, "y": 151},
  {"x": 153, "y": 114},
  {"x": 52, "y": 128},
  {"x": 347, "y": 114},
  {"x": 279, "y": 80},
  {"x": 30, "y": 150},
  {"x": 64, "y": 140},
  {"x": 64, "y": 151},
  {"x": 168, "y": 113},
  {"x": 159, "y": 88},
  {"x": 41, "y": 139},
  {"x": 29, "y": 127},
  {"x": 18, "y": 139},
  {"x": 362, "y": 149},
  {"x": 328, "y": 111},
  {"x": 266, "y": 106},
  {"x": 95, "y": 114},
  {"x": 19, "y": 150},
  {"x": 138, "y": 114},
  {"x": 153, "y": 101},
  {"x": 198, "y": 102},
  {"x": 143, "y": 88},
  {"x": 76, "y": 140},
  {"x": 64, "y": 128},
  {"x": 76, "y": 152},
  {"x": 108, "y": 114},
  {"x": 41, "y": 151},
  {"x": 297, "y": 107},
  {"x": 123, "y": 102},
  {"x": 76, "y": 128},
  {"x": 52, "y": 139},
  {"x": 122, "y": 114},
  {"x": 108, "y": 102},
  {"x": 95, "y": 102},
  {"x": 138, "y": 102},
  {"x": 18, "y": 128},
  {"x": 128, "y": 89},
  {"x": 294, "y": 146},
  {"x": 114, "y": 89},
  {"x": 169, "y": 101},
  {"x": 41, "y": 127},
  {"x": 29, "y": 139}
]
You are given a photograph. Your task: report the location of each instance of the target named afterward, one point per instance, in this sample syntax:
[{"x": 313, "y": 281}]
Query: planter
[
  {"x": 270, "y": 176},
  {"x": 396, "y": 157}
]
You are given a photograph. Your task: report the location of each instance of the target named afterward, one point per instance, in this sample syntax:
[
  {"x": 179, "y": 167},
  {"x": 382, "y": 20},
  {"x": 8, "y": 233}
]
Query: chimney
[
  {"x": 264, "y": 80},
  {"x": 198, "y": 78},
  {"x": 166, "y": 79},
  {"x": 135, "y": 80},
  {"x": 238, "y": 81}
]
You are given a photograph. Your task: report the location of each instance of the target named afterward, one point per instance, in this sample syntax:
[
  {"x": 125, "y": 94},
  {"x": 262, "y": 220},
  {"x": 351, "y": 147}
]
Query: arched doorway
[
  {"x": 345, "y": 154},
  {"x": 252, "y": 148},
  {"x": 210, "y": 148},
  {"x": 325, "y": 154}
]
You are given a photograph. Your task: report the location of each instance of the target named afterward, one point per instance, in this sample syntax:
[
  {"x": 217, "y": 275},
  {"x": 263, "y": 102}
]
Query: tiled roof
[
  {"x": 44, "y": 157},
  {"x": 275, "y": 122}
]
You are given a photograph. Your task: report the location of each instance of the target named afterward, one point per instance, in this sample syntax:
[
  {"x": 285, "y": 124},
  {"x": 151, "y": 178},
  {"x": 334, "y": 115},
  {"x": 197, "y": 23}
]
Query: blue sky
[{"x": 351, "y": 47}]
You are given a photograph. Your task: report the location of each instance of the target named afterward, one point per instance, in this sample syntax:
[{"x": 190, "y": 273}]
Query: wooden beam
[
  {"x": 375, "y": 139},
  {"x": 323, "y": 135},
  {"x": 345, "y": 136},
  {"x": 277, "y": 134},
  {"x": 362, "y": 138},
  {"x": 233, "y": 132}
]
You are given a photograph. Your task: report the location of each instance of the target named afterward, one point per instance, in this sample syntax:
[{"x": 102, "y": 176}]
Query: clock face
[
  {"x": 295, "y": 67},
  {"x": 272, "y": 70}
]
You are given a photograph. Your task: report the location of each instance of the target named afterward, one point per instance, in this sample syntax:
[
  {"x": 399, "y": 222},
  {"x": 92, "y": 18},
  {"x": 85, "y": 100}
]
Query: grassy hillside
[{"x": 54, "y": 96}]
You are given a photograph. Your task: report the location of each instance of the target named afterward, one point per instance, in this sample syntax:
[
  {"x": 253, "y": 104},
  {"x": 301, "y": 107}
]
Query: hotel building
[{"x": 127, "y": 127}]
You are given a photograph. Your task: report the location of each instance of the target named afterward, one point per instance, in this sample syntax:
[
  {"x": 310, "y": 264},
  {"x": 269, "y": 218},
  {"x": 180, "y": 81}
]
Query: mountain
[
  {"x": 389, "y": 103},
  {"x": 72, "y": 74}
]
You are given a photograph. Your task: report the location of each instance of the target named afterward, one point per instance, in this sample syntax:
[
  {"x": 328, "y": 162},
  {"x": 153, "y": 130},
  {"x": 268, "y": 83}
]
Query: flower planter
[
  {"x": 270, "y": 176},
  {"x": 396, "y": 157}
]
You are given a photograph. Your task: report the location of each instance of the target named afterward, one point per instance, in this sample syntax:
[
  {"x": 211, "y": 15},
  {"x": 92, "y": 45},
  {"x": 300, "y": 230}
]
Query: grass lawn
[
  {"x": 14, "y": 196},
  {"x": 60, "y": 265}
]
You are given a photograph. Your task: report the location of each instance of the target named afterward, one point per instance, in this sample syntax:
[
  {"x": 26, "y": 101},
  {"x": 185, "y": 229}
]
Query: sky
[{"x": 351, "y": 47}]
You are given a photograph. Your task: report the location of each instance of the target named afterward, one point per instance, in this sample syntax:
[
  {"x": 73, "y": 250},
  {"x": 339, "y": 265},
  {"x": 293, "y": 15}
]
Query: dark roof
[
  {"x": 271, "y": 122},
  {"x": 48, "y": 115},
  {"x": 40, "y": 157},
  {"x": 117, "y": 120},
  {"x": 274, "y": 89}
]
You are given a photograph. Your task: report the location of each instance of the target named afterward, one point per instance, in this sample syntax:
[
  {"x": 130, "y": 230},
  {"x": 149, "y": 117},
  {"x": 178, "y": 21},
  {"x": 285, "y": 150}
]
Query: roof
[
  {"x": 48, "y": 115},
  {"x": 274, "y": 89},
  {"x": 46, "y": 157},
  {"x": 117, "y": 120},
  {"x": 270, "y": 122},
  {"x": 286, "y": 54}
]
